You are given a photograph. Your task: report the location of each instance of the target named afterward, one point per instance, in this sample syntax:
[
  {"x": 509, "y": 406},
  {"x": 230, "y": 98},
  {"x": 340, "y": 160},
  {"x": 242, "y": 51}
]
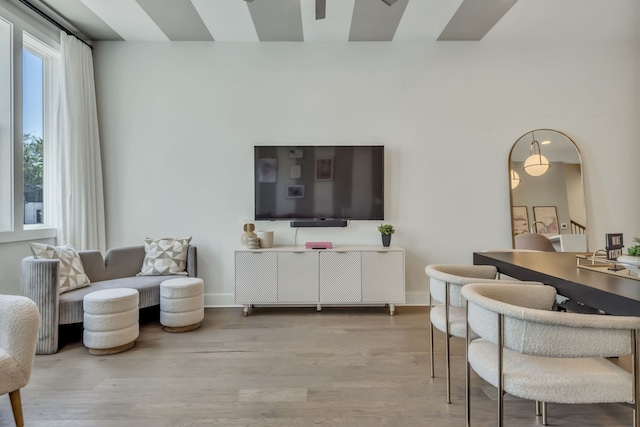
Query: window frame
[
  {"x": 26, "y": 27},
  {"x": 6, "y": 128},
  {"x": 50, "y": 76}
]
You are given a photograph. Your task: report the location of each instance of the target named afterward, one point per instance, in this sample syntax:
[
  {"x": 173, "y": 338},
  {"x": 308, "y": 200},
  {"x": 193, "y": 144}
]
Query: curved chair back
[
  {"x": 537, "y": 242},
  {"x": 456, "y": 276},
  {"x": 531, "y": 327}
]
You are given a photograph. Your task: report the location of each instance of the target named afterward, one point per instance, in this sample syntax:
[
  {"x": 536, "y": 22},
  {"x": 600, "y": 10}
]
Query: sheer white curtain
[{"x": 79, "y": 210}]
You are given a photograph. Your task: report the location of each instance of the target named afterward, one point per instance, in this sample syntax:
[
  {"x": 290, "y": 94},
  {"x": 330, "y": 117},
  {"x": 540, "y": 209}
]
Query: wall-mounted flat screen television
[{"x": 319, "y": 182}]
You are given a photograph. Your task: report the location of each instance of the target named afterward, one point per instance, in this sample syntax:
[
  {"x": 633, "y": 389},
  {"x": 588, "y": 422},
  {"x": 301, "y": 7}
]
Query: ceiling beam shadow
[
  {"x": 321, "y": 9},
  {"x": 277, "y": 21},
  {"x": 474, "y": 19},
  {"x": 376, "y": 20},
  {"x": 178, "y": 19}
]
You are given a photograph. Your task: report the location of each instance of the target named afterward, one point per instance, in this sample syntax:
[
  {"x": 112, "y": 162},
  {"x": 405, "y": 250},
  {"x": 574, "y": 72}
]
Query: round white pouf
[
  {"x": 110, "y": 320},
  {"x": 181, "y": 304}
]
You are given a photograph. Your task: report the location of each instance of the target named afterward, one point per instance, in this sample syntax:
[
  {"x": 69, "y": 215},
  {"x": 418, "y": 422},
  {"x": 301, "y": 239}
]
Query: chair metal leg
[
  {"x": 538, "y": 409},
  {"x": 447, "y": 338},
  {"x": 500, "y": 369},
  {"x": 431, "y": 335},
  {"x": 468, "y": 372},
  {"x": 544, "y": 413},
  {"x": 16, "y": 406},
  {"x": 431, "y": 345},
  {"x": 635, "y": 369}
]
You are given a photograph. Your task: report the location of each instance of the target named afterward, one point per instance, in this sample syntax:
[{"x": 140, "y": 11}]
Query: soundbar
[{"x": 319, "y": 223}]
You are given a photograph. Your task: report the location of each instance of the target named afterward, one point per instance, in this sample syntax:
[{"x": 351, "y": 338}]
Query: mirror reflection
[{"x": 547, "y": 193}]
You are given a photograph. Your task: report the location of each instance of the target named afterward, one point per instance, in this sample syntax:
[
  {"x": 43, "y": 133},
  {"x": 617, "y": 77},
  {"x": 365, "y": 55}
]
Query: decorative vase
[
  {"x": 266, "y": 238},
  {"x": 248, "y": 232},
  {"x": 386, "y": 240}
]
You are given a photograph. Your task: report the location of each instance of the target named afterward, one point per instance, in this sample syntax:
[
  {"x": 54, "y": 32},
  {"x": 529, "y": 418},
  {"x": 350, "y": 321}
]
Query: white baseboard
[
  {"x": 219, "y": 300},
  {"x": 226, "y": 300},
  {"x": 417, "y": 298}
]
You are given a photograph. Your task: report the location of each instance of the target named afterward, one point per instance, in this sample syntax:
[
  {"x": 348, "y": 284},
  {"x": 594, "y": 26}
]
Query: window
[
  {"x": 32, "y": 130},
  {"x": 29, "y": 63},
  {"x": 39, "y": 83}
]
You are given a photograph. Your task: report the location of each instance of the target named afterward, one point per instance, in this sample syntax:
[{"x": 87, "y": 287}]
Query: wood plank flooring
[{"x": 278, "y": 367}]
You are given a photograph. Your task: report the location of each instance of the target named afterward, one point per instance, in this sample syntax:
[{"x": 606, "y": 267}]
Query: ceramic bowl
[
  {"x": 628, "y": 259},
  {"x": 630, "y": 262}
]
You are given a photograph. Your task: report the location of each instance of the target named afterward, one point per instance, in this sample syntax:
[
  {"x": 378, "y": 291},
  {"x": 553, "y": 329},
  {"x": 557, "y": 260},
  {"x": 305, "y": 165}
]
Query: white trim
[
  {"x": 50, "y": 89},
  {"x": 24, "y": 21},
  {"x": 227, "y": 300},
  {"x": 26, "y": 235},
  {"x": 6, "y": 129}
]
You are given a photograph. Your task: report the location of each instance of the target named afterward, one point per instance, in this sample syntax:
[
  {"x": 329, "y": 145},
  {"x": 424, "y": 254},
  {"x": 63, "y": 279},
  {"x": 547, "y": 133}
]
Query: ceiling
[{"x": 346, "y": 20}]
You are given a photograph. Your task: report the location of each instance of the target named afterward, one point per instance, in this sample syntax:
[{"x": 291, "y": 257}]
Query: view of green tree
[{"x": 33, "y": 159}]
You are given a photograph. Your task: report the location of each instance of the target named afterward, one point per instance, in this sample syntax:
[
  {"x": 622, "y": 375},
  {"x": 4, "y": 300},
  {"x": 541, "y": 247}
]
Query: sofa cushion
[
  {"x": 117, "y": 263},
  {"x": 148, "y": 287},
  {"x": 71, "y": 272},
  {"x": 165, "y": 256}
]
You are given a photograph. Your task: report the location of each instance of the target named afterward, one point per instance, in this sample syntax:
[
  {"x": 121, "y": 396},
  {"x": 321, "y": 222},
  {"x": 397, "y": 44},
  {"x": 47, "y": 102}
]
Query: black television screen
[{"x": 319, "y": 182}]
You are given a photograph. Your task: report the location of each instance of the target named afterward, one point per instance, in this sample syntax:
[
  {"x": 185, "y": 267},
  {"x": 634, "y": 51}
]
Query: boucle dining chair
[
  {"x": 526, "y": 349},
  {"x": 19, "y": 321},
  {"x": 448, "y": 315},
  {"x": 533, "y": 241}
]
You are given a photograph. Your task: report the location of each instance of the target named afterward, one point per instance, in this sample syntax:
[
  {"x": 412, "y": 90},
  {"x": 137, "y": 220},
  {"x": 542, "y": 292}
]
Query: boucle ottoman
[
  {"x": 110, "y": 320},
  {"x": 181, "y": 304}
]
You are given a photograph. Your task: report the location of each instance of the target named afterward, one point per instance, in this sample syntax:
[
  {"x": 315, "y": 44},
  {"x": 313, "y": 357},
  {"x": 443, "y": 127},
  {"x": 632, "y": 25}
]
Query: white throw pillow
[
  {"x": 71, "y": 271},
  {"x": 165, "y": 256}
]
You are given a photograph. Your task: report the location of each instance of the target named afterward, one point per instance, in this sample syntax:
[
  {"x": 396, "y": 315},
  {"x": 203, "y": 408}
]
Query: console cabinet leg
[
  {"x": 245, "y": 312},
  {"x": 392, "y": 309},
  {"x": 319, "y": 307}
]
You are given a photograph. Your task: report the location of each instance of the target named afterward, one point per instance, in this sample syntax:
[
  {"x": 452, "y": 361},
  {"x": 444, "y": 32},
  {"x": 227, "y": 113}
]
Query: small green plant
[
  {"x": 386, "y": 229},
  {"x": 635, "y": 250}
]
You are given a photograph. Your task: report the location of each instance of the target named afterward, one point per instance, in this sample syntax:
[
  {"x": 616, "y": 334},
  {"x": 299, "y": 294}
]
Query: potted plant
[
  {"x": 386, "y": 230},
  {"x": 632, "y": 261}
]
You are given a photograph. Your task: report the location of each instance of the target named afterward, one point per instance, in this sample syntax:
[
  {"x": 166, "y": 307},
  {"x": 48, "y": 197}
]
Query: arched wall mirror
[{"x": 547, "y": 189}]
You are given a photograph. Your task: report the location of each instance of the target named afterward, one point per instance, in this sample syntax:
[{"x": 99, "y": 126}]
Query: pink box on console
[{"x": 318, "y": 245}]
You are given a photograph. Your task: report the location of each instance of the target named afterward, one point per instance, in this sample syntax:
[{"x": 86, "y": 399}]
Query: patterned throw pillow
[
  {"x": 165, "y": 256},
  {"x": 71, "y": 271}
]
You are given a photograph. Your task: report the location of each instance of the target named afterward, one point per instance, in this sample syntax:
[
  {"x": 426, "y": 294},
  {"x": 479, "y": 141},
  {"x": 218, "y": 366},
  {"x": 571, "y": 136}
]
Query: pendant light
[
  {"x": 515, "y": 179},
  {"x": 536, "y": 164}
]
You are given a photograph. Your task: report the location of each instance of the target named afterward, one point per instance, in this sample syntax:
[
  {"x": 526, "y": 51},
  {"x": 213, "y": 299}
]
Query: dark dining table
[{"x": 611, "y": 294}]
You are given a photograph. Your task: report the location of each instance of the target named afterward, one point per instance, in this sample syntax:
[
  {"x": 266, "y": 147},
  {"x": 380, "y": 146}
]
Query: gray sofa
[{"x": 118, "y": 269}]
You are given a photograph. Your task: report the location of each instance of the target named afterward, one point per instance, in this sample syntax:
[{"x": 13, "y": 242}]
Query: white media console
[{"x": 353, "y": 275}]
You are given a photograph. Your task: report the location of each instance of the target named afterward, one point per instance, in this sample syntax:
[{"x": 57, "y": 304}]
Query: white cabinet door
[
  {"x": 256, "y": 277},
  {"x": 340, "y": 277},
  {"x": 383, "y": 276},
  {"x": 298, "y": 277}
]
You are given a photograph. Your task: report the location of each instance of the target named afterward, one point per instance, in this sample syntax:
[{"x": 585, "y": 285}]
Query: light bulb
[
  {"x": 515, "y": 179},
  {"x": 536, "y": 165}
]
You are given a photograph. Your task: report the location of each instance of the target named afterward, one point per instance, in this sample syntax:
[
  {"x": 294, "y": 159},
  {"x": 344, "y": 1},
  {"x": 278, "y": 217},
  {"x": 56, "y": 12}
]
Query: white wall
[
  {"x": 11, "y": 254},
  {"x": 179, "y": 122}
]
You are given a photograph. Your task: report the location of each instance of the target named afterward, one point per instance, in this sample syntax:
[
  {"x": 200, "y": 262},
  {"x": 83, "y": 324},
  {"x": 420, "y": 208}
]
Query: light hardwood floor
[{"x": 278, "y": 367}]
